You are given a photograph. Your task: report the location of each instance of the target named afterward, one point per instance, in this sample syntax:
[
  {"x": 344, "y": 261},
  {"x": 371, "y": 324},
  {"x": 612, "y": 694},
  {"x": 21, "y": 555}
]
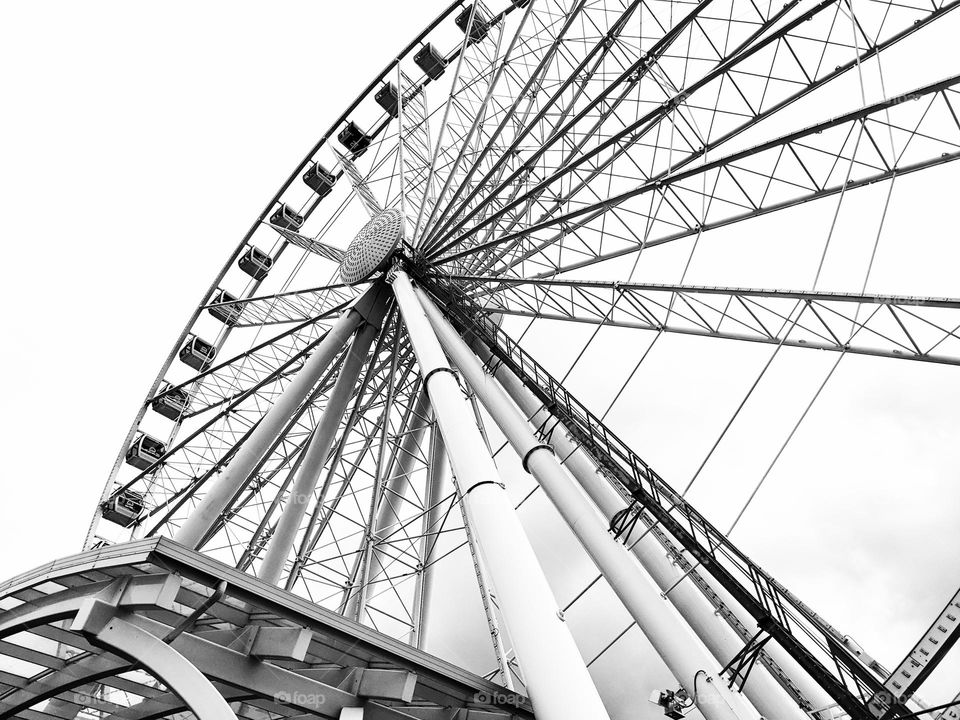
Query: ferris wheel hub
[{"x": 370, "y": 251}]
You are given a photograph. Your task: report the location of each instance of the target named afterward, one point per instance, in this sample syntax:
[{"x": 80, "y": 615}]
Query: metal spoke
[
  {"x": 762, "y": 179},
  {"x": 584, "y": 168},
  {"x": 842, "y": 322}
]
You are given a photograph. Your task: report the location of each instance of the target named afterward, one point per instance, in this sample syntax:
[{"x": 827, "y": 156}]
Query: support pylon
[
  {"x": 688, "y": 599},
  {"x": 686, "y": 657},
  {"x": 556, "y": 677}
]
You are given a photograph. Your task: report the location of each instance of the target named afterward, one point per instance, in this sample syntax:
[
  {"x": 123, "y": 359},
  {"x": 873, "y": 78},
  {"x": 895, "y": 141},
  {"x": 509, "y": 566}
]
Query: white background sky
[{"x": 139, "y": 141}]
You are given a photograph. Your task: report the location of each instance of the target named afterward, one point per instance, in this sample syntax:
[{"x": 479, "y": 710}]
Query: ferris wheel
[{"x": 389, "y": 347}]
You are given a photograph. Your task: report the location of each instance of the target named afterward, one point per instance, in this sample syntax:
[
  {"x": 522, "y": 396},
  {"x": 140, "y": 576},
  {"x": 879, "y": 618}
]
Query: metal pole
[
  {"x": 719, "y": 637},
  {"x": 556, "y": 677},
  {"x": 369, "y": 307},
  {"x": 685, "y": 656},
  {"x": 315, "y": 456}
]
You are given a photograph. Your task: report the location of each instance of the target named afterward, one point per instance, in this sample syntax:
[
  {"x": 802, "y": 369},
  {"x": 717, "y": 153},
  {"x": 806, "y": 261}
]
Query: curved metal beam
[
  {"x": 160, "y": 659},
  {"x": 169, "y": 704}
]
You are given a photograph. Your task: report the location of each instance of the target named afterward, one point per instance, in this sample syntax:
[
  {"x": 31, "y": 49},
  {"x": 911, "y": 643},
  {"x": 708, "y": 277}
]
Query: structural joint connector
[{"x": 531, "y": 451}]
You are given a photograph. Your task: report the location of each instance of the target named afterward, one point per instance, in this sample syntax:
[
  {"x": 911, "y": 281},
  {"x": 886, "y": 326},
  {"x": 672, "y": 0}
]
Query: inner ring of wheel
[{"x": 370, "y": 251}]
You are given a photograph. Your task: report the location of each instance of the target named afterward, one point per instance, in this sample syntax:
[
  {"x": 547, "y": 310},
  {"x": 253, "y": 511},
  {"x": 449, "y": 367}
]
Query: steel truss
[
  {"x": 911, "y": 328},
  {"x": 820, "y": 161},
  {"x": 746, "y": 111}
]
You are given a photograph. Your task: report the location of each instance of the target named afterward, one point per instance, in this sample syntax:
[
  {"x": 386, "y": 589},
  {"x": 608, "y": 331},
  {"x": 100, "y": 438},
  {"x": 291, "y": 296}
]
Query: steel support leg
[
  {"x": 685, "y": 656},
  {"x": 238, "y": 471},
  {"x": 762, "y": 688},
  {"x": 315, "y": 456},
  {"x": 557, "y": 680}
]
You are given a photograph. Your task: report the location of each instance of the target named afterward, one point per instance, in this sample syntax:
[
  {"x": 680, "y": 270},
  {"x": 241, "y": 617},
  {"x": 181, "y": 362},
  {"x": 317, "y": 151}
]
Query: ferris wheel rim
[{"x": 434, "y": 260}]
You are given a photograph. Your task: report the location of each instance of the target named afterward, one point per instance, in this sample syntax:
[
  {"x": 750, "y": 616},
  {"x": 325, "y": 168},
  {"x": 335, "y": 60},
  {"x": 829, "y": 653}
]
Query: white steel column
[
  {"x": 557, "y": 680},
  {"x": 695, "y": 668},
  {"x": 238, "y": 471},
  {"x": 761, "y": 687},
  {"x": 315, "y": 456}
]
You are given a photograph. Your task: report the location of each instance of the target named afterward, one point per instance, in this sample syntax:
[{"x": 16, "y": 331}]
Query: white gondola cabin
[
  {"x": 388, "y": 98},
  {"x": 320, "y": 180},
  {"x": 144, "y": 451},
  {"x": 481, "y": 22},
  {"x": 354, "y": 139},
  {"x": 255, "y": 263},
  {"x": 286, "y": 217},
  {"x": 172, "y": 403},
  {"x": 197, "y": 353},
  {"x": 123, "y": 508},
  {"x": 222, "y": 310},
  {"x": 430, "y": 61}
]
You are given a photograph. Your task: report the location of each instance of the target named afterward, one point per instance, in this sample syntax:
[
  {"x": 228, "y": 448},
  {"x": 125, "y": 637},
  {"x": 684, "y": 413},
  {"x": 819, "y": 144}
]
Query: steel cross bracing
[
  {"x": 807, "y": 83},
  {"x": 268, "y": 485},
  {"x": 256, "y": 312},
  {"x": 286, "y": 307},
  {"x": 630, "y": 76},
  {"x": 602, "y": 53},
  {"x": 323, "y": 512},
  {"x": 267, "y": 525},
  {"x": 333, "y": 542},
  {"x": 669, "y": 159},
  {"x": 512, "y": 94},
  {"x": 224, "y": 383},
  {"x": 913, "y": 328},
  {"x": 232, "y": 378},
  {"x": 245, "y": 384},
  {"x": 788, "y": 621},
  {"x": 178, "y": 505},
  {"x": 904, "y": 134},
  {"x": 519, "y": 49},
  {"x": 589, "y": 64}
]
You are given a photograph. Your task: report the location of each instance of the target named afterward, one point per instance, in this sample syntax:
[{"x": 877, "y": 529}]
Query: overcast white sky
[{"x": 138, "y": 141}]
